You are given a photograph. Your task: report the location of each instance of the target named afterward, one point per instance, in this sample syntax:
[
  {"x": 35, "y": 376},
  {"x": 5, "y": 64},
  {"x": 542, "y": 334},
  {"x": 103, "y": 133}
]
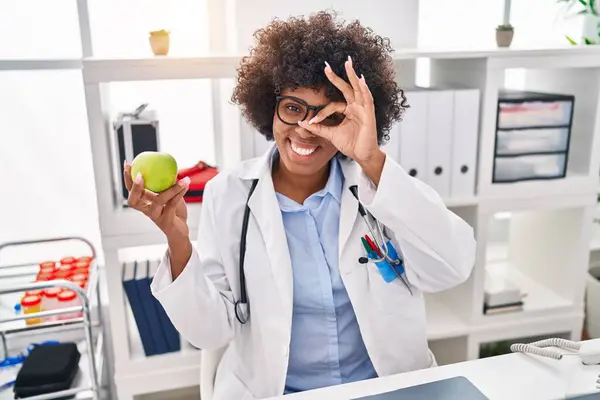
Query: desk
[{"x": 511, "y": 376}]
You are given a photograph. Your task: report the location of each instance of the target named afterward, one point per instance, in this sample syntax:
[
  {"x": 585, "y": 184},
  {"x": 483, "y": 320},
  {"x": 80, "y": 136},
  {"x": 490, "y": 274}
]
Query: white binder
[
  {"x": 413, "y": 135},
  {"x": 439, "y": 140},
  {"x": 464, "y": 146},
  {"x": 392, "y": 146}
]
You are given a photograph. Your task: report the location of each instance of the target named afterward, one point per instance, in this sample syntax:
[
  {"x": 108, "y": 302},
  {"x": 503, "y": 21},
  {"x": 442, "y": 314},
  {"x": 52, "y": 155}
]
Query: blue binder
[
  {"x": 147, "y": 299},
  {"x": 168, "y": 329},
  {"x": 137, "y": 309}
]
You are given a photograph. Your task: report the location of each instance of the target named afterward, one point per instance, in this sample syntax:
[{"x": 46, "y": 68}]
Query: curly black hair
[{"x": 292, "y": 53}]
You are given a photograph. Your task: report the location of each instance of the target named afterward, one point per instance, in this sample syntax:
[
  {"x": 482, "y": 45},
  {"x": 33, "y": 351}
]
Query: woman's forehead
[{"x": 314, "y": 97}]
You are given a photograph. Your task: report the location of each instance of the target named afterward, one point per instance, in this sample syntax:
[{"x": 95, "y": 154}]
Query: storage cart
[{"x": 87, "y": 318}]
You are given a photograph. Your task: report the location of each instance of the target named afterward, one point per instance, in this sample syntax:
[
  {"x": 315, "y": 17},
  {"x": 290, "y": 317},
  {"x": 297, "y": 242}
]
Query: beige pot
[
  {"x": 159, "y": 44},
  {"x": 504, "y": 38}
]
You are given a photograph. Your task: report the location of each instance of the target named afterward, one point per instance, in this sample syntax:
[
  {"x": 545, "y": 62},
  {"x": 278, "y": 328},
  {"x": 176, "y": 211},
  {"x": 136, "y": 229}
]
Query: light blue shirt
[{"x": 326, "y": 345}]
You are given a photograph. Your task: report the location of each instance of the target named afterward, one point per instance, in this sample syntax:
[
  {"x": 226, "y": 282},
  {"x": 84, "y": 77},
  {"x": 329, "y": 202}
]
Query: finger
[
  {"x": 168, "y": 194},
  {"x": 367, "y": 95},
  {"x": 354, "y": 81},
  {"x": 339, "y": 83},
  {"x": 137, "y": 191},
  {"x": 127, "y": 175},
  {"x": 171, "y": 206},
  {"x": 331, "y": 108},
  {"x": 326, "y": 132}
]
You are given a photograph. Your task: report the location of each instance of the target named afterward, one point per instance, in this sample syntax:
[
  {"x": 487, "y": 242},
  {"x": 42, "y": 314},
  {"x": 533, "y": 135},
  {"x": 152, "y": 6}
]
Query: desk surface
[{"x": 511, "y": 376}]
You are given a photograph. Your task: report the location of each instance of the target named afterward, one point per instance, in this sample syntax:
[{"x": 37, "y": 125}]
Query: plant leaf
[
  {"x": 593, "y": 9},
  {"x": 583, "y": 3},
  {"x": 574, "y": 43},
  {"x": 588, "y": 41},
  {"x": 583, "y": 12}
]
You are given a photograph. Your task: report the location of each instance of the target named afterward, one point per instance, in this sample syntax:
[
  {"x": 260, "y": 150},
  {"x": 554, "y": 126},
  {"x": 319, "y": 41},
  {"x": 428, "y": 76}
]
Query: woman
[{"x": 318, "y": 316}]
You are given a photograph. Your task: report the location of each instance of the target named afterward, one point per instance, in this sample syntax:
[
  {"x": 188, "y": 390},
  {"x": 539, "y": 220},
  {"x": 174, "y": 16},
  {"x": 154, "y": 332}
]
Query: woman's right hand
[{"x": 167, "y": 209}]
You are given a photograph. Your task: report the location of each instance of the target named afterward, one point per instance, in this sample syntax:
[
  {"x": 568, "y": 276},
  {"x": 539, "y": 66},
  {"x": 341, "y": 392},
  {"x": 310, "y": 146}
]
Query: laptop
[{"x": 457, "y": 388}]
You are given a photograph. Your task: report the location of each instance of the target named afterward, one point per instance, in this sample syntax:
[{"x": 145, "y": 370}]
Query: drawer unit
[
  {"x": 522, "y": 109},
  {"x": 542, "y": 140},
  {"x": 529, "y": 167},
  {"x": 533, "y": 132}
]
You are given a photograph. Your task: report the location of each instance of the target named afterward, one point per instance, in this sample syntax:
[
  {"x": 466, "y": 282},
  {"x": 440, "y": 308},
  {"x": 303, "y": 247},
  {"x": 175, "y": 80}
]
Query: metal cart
[{"x": 87, "y": 384}]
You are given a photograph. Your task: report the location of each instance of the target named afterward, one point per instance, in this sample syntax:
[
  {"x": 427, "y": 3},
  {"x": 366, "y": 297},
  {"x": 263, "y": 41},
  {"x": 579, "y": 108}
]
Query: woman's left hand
[{"x": 356, "y": 136}]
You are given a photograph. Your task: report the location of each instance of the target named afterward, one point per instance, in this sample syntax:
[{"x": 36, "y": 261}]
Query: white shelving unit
[{"x": 549, "y": 262}]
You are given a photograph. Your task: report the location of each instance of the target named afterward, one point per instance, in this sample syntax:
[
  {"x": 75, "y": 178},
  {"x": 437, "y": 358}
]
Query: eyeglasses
[{"x": 291, "y": 109}]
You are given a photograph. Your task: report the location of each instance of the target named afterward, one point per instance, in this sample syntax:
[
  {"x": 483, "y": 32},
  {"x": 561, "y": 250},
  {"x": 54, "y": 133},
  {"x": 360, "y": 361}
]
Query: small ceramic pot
[
  {"x": 159, "y": 44},
  {"x": 504, "y": 38}
]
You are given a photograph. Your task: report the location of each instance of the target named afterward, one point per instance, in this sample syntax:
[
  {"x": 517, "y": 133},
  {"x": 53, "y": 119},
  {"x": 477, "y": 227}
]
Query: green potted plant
[{"x": 504, "y": 35}]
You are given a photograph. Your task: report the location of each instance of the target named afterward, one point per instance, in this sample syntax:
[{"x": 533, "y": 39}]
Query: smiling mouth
[{"x": 302, "y": 151}]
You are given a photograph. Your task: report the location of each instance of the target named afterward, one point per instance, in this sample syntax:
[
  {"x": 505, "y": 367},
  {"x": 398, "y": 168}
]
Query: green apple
[{"x": 159, "y": 170}]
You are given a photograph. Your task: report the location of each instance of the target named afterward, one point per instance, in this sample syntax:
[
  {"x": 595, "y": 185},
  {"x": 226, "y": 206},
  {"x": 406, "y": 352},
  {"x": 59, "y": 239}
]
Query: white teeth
[{"x": 302, "y": 151}]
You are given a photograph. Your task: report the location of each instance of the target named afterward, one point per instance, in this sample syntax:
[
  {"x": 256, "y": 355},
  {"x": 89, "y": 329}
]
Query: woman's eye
[{"x": 293, "y": 108}]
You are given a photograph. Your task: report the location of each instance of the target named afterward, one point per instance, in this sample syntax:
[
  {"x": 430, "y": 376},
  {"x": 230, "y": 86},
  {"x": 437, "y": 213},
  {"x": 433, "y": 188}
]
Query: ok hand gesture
[{"x": 356, "y": 136}]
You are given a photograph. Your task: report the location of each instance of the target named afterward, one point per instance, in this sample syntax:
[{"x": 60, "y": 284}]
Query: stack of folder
[
  {"x": 157, "y": 333},
  {"x": 437, "y": 140}
]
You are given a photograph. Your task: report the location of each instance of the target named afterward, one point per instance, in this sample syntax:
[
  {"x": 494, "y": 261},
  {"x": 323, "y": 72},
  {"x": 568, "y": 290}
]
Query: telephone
[{"x": 585, "y": 359}]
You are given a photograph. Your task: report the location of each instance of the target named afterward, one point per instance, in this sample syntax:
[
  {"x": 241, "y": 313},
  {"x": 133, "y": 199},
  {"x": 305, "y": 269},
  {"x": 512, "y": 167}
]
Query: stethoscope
[{"x": 241, "y": 306}]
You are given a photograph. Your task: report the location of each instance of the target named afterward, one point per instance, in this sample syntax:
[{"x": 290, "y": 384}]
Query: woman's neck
[{"x": 298, "y": 187}]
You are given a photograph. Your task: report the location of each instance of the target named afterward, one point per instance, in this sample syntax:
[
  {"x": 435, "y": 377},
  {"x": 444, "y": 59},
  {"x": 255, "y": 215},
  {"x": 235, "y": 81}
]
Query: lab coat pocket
[
  {"x": 390, "y": 297},
  {"x": 232, "y": 388}
]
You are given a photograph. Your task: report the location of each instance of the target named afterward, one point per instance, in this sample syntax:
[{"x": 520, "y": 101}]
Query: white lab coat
[{"x": 438, "y": 248}]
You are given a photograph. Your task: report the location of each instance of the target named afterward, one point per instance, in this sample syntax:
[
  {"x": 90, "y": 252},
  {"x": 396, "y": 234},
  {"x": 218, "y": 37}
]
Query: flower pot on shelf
[
  {"x": 504, "y": 35},
  {"x": 159, "y": 42}
]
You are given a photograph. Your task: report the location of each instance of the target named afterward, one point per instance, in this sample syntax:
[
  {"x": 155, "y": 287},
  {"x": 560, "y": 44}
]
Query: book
[
  {"x": 171, "y": 334},
  {"x": 137, "y": 309},
  {"x": 147, "y": 299}
]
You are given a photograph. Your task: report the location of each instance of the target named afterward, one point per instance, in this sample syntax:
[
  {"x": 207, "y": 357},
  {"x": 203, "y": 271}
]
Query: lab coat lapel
[
  {"x": 349, "y": 206},
  {"x": 265, "y": 209}
]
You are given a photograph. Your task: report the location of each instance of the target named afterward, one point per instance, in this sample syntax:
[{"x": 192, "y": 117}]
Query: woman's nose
[{"x": 303, "y": 133}]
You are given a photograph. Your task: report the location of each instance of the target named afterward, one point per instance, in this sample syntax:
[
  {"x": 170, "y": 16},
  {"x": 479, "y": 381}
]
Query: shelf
[
  {"x": 441, "y": 322},
  {"x": 97, "y": 70},
  {"x": 142, "y": 375},
  {"x": 126, "y": 227},
  {"x": 82, "y": 387},
  {"x": 461, "y": 201},
  {"x": 39, "y": 65},
  {"x": 109, "y": 69},
  {"x": 571, "y": 186},
  {"x": 538, "y": 302}
]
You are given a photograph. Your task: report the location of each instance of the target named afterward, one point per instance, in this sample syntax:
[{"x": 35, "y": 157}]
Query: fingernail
[
  {"x": 362, "y": 77},
  {"x": 350, "y": 60},
  {"x": 312, "y": 120},
  {"x": 138, "y": 178},
  {"x": 327, "y": 66},
  {"x": 124, "y": 163},
  {"x": 185, "y": 181}
]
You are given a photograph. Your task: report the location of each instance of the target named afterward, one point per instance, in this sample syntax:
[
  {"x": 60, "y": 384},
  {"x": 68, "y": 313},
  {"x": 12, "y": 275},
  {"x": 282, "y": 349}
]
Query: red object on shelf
[
  {"x": 199, "y": 174},
  {"x": 85, "y": 259},
  {"x": 44, "y": 277},
  {"x": 46, "y": 270},
  {"x": 53, "y": 291},
  {"x": 62, "y": 274},
  {"x": 47, "y": 264},
  {"x": 67, "y": 260},
  {"x": 81, "y": 264}
]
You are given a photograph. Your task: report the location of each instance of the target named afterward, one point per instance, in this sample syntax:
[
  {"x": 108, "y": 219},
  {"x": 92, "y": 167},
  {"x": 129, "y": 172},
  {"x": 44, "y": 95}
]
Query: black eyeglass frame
[{"x": 316, "y": 109}]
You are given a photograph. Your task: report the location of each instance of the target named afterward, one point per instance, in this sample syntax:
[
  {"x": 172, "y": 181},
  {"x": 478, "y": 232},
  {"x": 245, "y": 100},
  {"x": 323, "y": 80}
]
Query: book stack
[
  {"x": 501, "y": 296},
  {"x": 157, "y": 333}
]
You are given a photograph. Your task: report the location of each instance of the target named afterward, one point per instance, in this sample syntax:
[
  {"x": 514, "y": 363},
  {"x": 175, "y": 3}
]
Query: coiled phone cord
[{"x": 538, "y": 348}]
